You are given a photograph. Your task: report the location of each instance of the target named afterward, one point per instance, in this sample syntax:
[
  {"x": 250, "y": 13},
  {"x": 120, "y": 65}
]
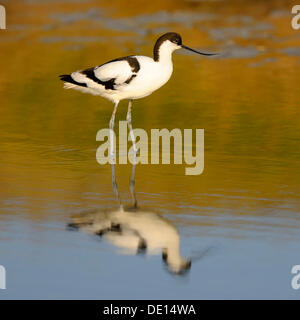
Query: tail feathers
[{"x": 68, "y": 78}]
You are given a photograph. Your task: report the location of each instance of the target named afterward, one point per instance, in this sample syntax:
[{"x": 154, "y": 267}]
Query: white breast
[{"x": 151, "y": 76}]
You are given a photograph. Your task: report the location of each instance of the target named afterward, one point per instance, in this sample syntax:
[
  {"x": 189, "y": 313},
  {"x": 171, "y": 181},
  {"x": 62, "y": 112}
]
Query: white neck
[{"x": 165, "y": 51}]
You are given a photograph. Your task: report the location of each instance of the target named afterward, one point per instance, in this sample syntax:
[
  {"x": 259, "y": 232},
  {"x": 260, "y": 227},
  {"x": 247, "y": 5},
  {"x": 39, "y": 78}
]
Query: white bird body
[{"x": 151, "y": 76}]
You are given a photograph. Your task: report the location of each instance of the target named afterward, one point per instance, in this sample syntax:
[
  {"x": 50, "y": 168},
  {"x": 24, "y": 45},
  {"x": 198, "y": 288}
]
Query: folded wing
[{"x": 108, "y": 76}]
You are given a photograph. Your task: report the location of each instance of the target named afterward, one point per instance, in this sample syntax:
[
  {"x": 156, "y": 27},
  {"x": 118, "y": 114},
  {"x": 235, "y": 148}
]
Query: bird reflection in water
[{"x": 135, "y": 230}]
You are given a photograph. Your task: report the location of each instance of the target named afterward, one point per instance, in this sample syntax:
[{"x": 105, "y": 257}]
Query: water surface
[{"x": 242, "y": 212}]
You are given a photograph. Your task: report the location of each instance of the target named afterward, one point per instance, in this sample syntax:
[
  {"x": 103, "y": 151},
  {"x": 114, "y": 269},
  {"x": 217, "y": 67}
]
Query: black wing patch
[
  {"x": 130, "y": 78},
  {"x": 109, "y": 84},
  {"x": 133, "y": 62},
  {"x": 68, "y": 78}
]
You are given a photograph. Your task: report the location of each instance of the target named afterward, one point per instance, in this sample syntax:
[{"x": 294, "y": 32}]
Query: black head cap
[{"x": 171, "y": 36}]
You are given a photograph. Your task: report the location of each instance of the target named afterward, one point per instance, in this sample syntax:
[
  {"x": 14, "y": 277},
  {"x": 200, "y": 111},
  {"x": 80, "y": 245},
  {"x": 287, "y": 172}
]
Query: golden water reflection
[{"x": 246, "y": 100}]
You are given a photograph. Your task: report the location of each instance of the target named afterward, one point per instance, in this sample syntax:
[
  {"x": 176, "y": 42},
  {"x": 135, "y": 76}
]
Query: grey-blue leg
[
  {"x": 115, "y": 186},
  {"x": 128, "y": 118},
  {"x": 111, "y": 127},
  {"x": 132, "y": 183}
]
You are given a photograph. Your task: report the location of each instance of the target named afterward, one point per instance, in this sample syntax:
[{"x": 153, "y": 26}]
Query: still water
[{"x": 238, "y": 222}]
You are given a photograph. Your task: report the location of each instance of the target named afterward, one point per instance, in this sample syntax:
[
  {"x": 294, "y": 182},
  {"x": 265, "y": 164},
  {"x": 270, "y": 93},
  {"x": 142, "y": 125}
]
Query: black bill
[{"x": 196, "y": 51}]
